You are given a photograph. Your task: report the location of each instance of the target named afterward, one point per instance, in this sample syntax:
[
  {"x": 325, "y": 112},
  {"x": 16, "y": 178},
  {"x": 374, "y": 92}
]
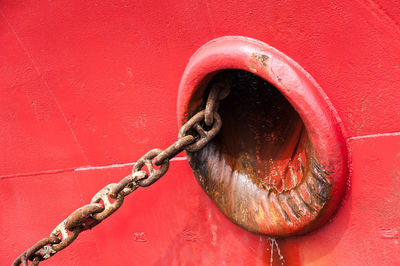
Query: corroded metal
[
  {"x": 261, "y": 170},
  {"x": 218, "y": 92},
  {"x": 205, "y": 135},
  {"x": 154, "y": 174},
  {"x": 29, "y": 254},
  {"x": 109, "y": 207},
  {"x": 127, "y": 185},
  {"x": 82, "y": 217},
  {"x": 174, "y": 149}
]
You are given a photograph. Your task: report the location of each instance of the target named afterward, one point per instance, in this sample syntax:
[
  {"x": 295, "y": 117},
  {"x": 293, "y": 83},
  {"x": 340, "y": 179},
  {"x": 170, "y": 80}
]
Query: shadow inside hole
[
  {"x": 261, "y": 169},
  {"x": 262, "y": 136}
]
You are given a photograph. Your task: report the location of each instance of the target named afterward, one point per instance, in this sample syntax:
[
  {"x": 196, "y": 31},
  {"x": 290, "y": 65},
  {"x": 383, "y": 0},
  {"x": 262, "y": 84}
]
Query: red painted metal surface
[{"x": 88, "y": 86}]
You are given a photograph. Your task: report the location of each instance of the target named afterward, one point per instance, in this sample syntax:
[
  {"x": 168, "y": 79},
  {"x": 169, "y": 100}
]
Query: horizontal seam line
[
  {"x": 86, "y": 168},
  {"x": 77, "y": 169},
  {"x": 376, "y": 135}
]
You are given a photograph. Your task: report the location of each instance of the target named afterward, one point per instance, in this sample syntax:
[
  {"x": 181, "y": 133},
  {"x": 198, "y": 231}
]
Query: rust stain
[
  {"x": 261, "y": 170},
  {"x": 263, "y": 61}
]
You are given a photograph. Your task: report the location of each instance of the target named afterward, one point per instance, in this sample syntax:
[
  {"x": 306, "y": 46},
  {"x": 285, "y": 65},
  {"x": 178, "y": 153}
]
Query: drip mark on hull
[{"x": 274, "y": 244}]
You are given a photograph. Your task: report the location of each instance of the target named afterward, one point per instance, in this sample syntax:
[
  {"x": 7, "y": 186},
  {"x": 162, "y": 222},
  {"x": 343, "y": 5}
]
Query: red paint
[
  {"x": 96, "y": 83},
  {"x": 370, "y": 206}
]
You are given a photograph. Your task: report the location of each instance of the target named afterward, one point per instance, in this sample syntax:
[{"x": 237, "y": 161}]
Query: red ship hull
[{"x": 88, "y": 87}]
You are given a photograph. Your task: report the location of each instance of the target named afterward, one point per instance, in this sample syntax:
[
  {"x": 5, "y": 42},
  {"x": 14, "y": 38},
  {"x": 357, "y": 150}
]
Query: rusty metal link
[
  {"x": 192, "y": 137},
  {"x": 82, "y": 218},
  {"x": 127, "y": 185},
  {"x": 41, "y": 245},
  {"x": 104, "y": 196},
  {"x": 174, "y": 149},
  {"x": 154, "y": 174},
  {"x": 67, "y": 237},
  {"x": 218, "y": 92},
  {"x": 30, "y": 254},
  {"x": 205, "y": 135}
]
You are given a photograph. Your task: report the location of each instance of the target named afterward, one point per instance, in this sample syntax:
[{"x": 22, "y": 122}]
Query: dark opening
[
  {"x": 262, "y": 136},
  {"x": 261, "y": 170}
]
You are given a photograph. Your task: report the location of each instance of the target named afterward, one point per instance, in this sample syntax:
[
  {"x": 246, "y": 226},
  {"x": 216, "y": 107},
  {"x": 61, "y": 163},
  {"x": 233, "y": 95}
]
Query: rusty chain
[{"x": 193, "y": 136}]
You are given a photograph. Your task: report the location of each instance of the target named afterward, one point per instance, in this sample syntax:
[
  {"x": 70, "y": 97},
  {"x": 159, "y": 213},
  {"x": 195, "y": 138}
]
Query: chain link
[
  {"x": 193, "y": 136},
  {"x": 204, "y": 135}
]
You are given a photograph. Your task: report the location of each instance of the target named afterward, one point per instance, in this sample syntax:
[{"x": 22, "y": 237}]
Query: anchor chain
[{"x": 193, "y": 136}]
